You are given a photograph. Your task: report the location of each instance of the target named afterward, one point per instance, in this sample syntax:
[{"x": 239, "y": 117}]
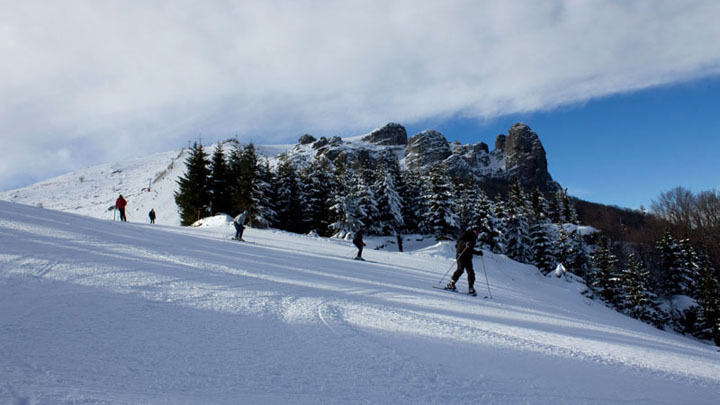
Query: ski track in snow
[{"x": 106, "y": 312}]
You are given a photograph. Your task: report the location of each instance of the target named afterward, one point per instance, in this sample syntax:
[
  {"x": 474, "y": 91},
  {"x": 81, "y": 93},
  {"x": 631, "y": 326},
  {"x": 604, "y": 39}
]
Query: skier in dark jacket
[
  {"x": 358, "y": 242},
  {"x": 120, "y": 204},
  {"x": 151, "y": 214},
  {"x": 464, "y": 251}
]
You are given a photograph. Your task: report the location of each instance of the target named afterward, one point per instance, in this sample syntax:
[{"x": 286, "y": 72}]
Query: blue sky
[
  {"x": 622, "y": 93},
  {"x": 621, "y": 150}
]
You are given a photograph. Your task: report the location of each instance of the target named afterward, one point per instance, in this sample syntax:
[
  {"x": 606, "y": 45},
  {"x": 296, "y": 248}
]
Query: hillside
[{"x": 104, "y": 312}]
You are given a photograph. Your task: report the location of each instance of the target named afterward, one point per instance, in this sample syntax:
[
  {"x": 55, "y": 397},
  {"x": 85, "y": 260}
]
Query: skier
[
  {"x": 120, "y": 204},
  {"x": 239, "y": 223},
  {"x": 358, "y": 242},
  {"x": 151, "y": 214},
  {"x": 464, "y": 250}
]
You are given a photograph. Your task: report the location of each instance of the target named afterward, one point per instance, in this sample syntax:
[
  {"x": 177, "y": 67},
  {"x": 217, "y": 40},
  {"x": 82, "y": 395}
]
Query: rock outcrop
[
  {"x": 517, "y": 156},
  {"x": 390, "y": 134},
  {"x": 525, "y": 159}
]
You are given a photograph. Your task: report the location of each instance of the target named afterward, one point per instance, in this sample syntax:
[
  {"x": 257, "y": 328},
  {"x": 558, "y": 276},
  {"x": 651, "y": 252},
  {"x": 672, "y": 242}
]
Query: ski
[{"x": 457, "y": 291}]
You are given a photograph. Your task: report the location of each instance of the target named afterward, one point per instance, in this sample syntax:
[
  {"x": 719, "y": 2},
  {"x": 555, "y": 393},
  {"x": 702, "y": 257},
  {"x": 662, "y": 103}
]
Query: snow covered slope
[{"x": 95, "y": 311}]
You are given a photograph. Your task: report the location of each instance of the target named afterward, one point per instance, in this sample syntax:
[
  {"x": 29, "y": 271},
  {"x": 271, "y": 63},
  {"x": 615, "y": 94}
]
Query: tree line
[{"x": 333, "y": 199}]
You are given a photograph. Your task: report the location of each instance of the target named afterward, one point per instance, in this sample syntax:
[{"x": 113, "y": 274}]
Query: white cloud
[{"x": 114, "y": 79}]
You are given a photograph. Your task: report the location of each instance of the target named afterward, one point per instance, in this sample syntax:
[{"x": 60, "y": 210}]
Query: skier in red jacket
[{"x": 120, "y": 204}]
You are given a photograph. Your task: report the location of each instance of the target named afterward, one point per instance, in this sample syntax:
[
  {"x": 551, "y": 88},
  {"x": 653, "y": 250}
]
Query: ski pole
[
  {"x": 486, "y": 277},
  {"x": 451, "y": 266}
]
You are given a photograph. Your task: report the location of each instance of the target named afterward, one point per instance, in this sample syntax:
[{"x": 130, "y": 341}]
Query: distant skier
[
  {"x": 120, "y": 204},
  {"x": 151, "y": 214},
  {"x": 464, "y": 250},
  {"x": 358, "y": 242},
  {"x": 239, "y": 223}
]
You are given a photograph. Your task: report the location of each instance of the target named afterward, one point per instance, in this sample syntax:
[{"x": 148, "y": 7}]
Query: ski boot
[
  {"x": 472, "y": 291},
  {"x": 451, "y": 286}
]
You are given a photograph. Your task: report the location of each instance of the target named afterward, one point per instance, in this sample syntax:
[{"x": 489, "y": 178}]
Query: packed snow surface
[{"x": 96, "y": 311}]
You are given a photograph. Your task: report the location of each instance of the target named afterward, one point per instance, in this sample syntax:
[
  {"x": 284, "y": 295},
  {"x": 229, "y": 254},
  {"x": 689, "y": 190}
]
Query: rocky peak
[
  {"x": 427, "y": 147},
  {"x": 525, "y": 157},
  {"x": 390, "y": 134}
]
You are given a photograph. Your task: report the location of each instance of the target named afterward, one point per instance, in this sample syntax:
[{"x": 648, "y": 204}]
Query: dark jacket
[
  {"x": 357, "y": 240},
  {"x": 465, "y": 245}
]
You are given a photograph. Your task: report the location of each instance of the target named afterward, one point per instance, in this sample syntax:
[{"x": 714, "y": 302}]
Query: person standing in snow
[
  {"x": 358, "y": 242},
  {"x": 464, "y": 250},
  {"x": 239, "y": 223},
  {"x": 151, "y": 214},
  {"x": 120, "y": 204}
]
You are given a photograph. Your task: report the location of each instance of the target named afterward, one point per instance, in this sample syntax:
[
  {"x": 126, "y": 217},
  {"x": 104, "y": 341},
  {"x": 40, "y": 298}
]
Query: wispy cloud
[{"x": 84, "y": 80}]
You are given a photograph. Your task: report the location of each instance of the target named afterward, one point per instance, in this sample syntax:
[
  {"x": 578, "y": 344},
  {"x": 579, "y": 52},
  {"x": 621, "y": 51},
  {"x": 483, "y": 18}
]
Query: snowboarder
[
  {"x": 239, "y": 223},
  {"x": 464, "y": 251},
  {"x": 358, "y": 242},
  {"x": 120, "y": 204},
  {"x": 151, "y": 214}
]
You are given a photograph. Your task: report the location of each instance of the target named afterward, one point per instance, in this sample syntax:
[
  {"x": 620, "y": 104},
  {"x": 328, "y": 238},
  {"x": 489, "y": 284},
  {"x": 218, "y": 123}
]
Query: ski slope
[{"x": 96, "y": 311}]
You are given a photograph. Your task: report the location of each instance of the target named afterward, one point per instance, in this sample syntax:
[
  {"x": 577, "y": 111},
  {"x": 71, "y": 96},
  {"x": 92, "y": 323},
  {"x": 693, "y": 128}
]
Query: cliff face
[{"x": 517, "y": 155}]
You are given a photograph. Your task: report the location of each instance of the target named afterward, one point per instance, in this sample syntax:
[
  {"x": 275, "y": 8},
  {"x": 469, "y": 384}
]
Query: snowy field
[{"x": 96, "y": 311}]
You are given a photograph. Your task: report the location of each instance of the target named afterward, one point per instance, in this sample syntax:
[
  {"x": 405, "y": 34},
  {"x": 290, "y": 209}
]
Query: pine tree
[
  {"x": 689, "y": 267},
  {"x": 563, "y": 247},
  {"x": 318, "y": 183},
  {"x": 289, "y": 198},
  {"x": 578, "y": 260},
  {"x": 263, "y": 214},
  {"x": 367, "y": 205},
  {"x": 606, "y": 281},
  {"x": 501, "y": 213},
  {"x": 709, "y": 303},
  {"x": 467, "y": 205},
  {"x": 440, "y": 219},
  {"x": 488, "y": 236},
  {"x": 539, "y": 205},
  {"x": 637, "y": 300},
  {"x": 518, "y": 245},
  {"x": 542, "y": 248},
  {"x": 243, "y": 168},
  {"x": 193, "y": 195},
  {"x": 346, "y": 216},
  {"x": 672, "y": 273},
  {"x": 412, "y": 197},
  {"x": 220, "y": 190},
  {"x": 389, "y": 202}
]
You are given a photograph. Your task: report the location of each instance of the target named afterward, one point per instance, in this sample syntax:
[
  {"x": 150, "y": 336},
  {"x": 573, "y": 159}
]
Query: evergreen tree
[
  {"x": 637, "y": 300},
  {"x": 243, "y": 168},
  {"x": 368, "y": 213},
  {"x": 689, "y": 266},
  {"x": 193, "y": 195},
  {"x": 542, "y": 248},
  {"x": 539, "y": 205},
  {"x": 518, "y": 245},
  {"x": 318, "y": 184},
  {"x": 606, "y": 281},
  {"x": 346, "y": 216},
  {"x": 563, "y": 247},
  {"x": 220, "y": 190},
  {"x": 488, "y": 236},
  {"x": 467, "y": 205},
  {"x": 263, "y": 212},
  {"x": 389, "y": 202},
  {"x": 672, "y": 272},
  {"x": 439, "y": 219},
  {"x": 289, "y": 198},
  {"x": 412, "y": 197},
  {"x": 501, "y": 213},
  {"x": 709, "y": 303},
  {"x": 578, "y": 260}
]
